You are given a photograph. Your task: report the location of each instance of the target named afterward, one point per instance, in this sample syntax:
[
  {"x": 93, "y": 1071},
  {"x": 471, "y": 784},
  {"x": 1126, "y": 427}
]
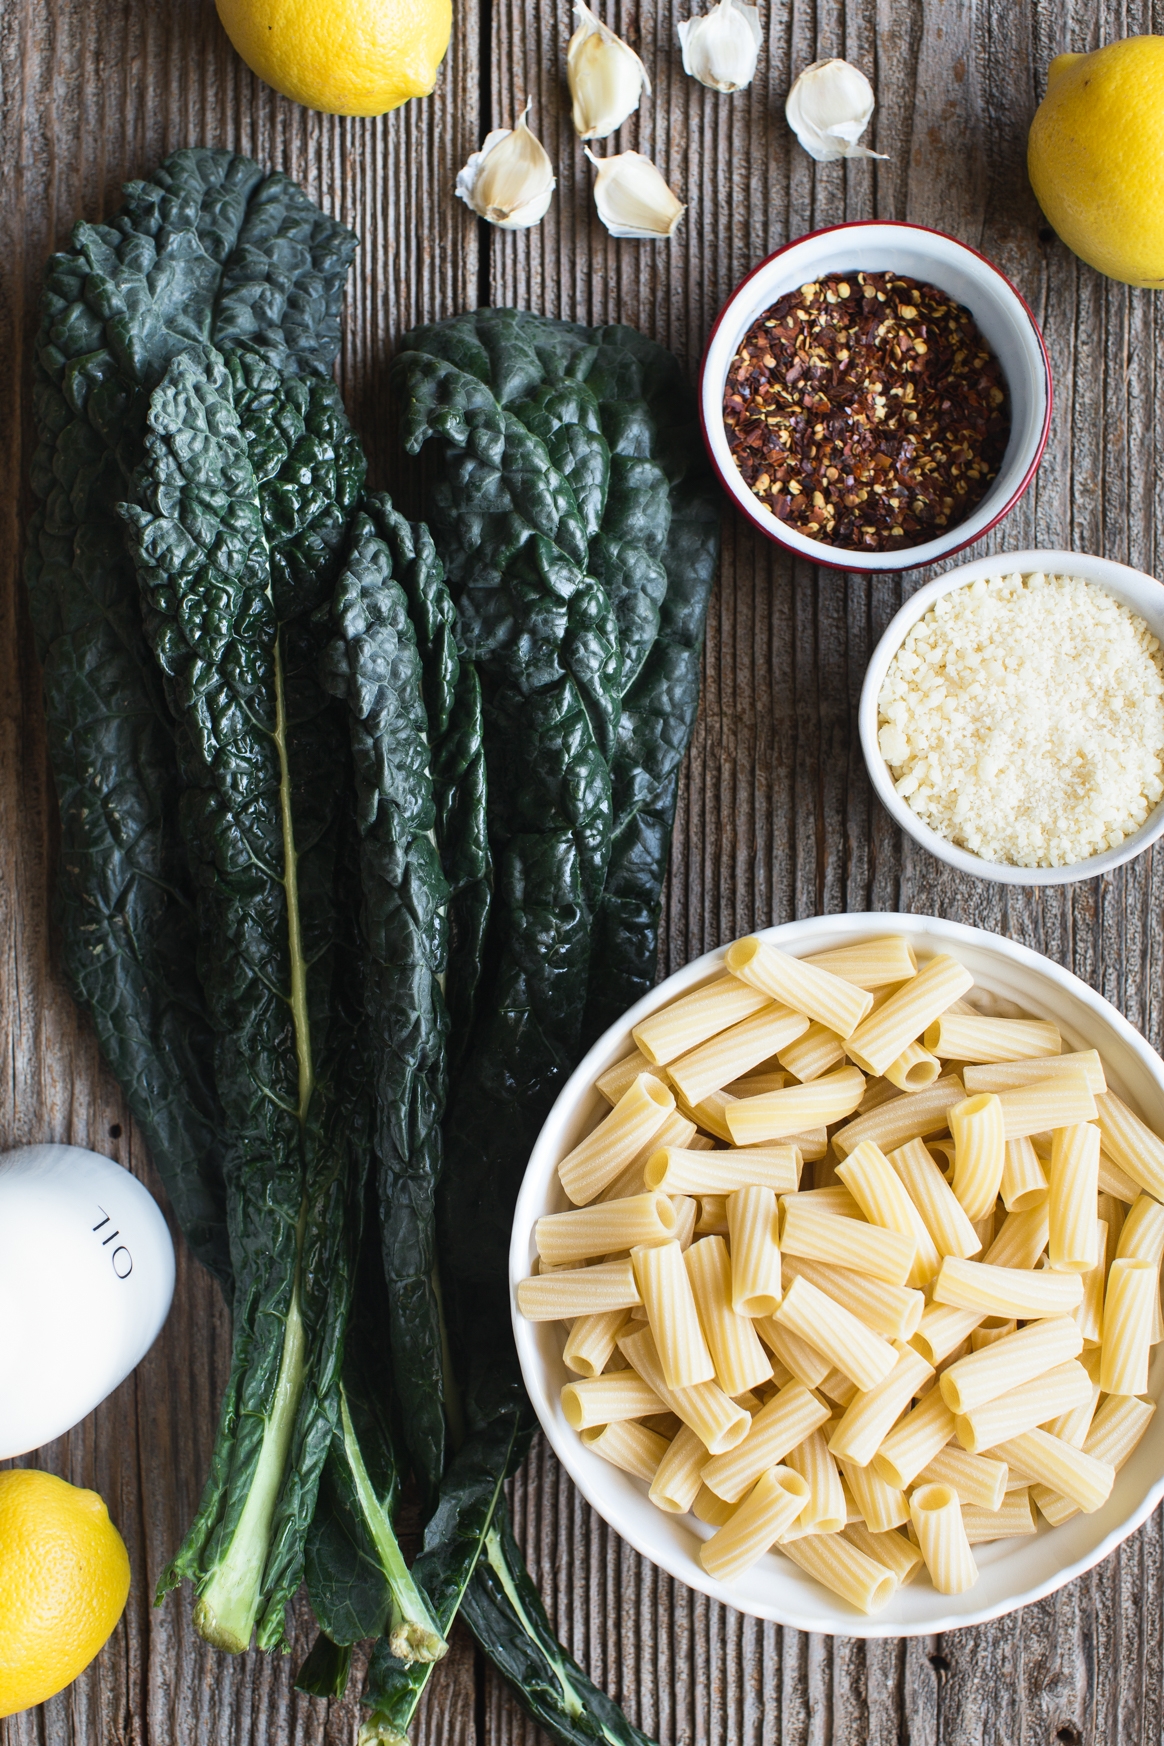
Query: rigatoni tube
[
  {"x": 671, "y": 1314},
  {"x": 979, "y": 1153},
  {"x": 1006, "y": 1291},
  {"x": 752, "y": 1120},
  {"x": 937, "y": 1205},
  {"x": 580, "y": 1291},
  {"x": 869, "y": 964},
  {"x": 1009, "y": 1363},
  {"x": 1129, "y": 1311},
  {"x": 824, "y": 997},
  {"x": 893, "y": 1311},
  {"x": 714, "y": 1417},
  {"x": 879, "y": 1039},
  {"x": 838, "y": 1565},
  {"x": 591, "y": 1341},
  {"x": 753, "y": 1222},
  {"x": 597, "y": 1160},
  {"x": 1053, "y": 1463},
  {"x": 941, "y": 1538},
  {"x": 853, "y": 1349},
  {"x": 890, "y": 1124},
  {"x": 740, "y": 1360},
  {"x": 1072, "y": 1241},
  {"x": 773, "y": 1504},
  {"x": 604, "y": 1229},
  {"x": 882, "y": 1197},
  {"x": 683, "y": 1024},
  {"x": 979, "y": 1480},
  {"x": 1024, "y": 1181},
  {"x": 869, "y": 1416},
  {"x": 1131, "y": 1144},
  {"x": 783, "y": 1422},
  {"x": 824, "y": 1512},
  {"x": 725, "y": 1057},
  {"x": 915, "y": 1440},
  {"x": 676, "y": 1483},
  {"x": 605, "y": 1400},
  {"x": 967, "y": 1037},
  {"x": 632, "y": 1447},
  {"x": 1021, "y": 1409},
  {"x": 823, "y": 1236},
  {"x": 672, "y": 1170}
]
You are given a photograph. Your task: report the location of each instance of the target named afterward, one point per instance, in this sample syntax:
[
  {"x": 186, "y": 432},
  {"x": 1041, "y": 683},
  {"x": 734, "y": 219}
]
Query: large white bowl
[
  {"x": 1013, "y": 1572},
  {"x": 1143, "y": 594},
  {"x": 877, "y": 246}
]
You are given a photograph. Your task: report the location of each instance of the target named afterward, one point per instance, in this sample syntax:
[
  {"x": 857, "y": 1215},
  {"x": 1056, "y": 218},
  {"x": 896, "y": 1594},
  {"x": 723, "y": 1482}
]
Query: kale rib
[{"x": 234, "y": 625}]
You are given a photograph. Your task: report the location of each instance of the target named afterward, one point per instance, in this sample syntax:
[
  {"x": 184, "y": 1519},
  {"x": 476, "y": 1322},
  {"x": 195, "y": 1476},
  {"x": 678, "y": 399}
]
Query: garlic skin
[
  {"x": 632, "y": 198},
  {"x": 828, "y": 109},
  {"x": 605, "y": 76},
  {"x": 721, "y": 48},
  {"x": 511, "y": 180}
]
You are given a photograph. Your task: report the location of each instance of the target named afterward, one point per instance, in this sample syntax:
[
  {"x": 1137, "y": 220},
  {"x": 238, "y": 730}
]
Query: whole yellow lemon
[
  {"x": 347, "y": 57},
  {"x": 64, "y": 1581},
  {"x": 1096, "y": 157}
]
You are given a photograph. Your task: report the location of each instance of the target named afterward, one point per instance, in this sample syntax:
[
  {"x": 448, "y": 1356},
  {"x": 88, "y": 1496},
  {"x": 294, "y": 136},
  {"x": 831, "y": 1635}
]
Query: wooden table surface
[{"x": 776, "y": 818}]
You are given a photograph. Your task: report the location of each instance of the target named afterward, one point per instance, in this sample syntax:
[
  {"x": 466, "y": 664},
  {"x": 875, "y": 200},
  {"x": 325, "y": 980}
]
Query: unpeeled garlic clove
[
  {"x": 828, "y": 109},
  {"x": 511, "y": 180},
  {"x": 721, "y": 48},
  {"x": 605, "y": 76},
  {"x": 632, "y": 198}
]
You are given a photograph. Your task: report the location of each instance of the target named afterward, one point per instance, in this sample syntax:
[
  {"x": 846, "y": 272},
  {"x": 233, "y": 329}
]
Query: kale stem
[
  {"x": 291, "y": 887},
  {"x": 413, "y": 1633}
]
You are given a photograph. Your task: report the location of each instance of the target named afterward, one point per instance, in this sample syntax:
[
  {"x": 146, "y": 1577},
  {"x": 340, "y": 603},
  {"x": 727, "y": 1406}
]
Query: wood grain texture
[{"x": 775, "y": 821}]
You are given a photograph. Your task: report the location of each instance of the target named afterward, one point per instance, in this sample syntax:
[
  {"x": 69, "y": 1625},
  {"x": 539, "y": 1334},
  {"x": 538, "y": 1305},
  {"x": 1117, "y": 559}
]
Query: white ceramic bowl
[
  {"x": 1143, "y": 594},
  {"x": 879, "y": 246},
  {"x": 1014, "y": 1572}
]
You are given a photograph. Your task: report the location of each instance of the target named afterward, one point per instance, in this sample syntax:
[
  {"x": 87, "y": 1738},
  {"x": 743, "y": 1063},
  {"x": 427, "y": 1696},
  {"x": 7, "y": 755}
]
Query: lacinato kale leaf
[
  {"x": 373, "y": 663},
  {"x": 210, "y": 248},
  {"x": 265, "y": 764}
]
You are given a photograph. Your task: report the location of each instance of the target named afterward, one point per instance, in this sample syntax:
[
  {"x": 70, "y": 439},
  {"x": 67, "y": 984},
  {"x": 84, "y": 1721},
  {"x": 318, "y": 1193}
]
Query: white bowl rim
[
  {"x": 836, "y": 557},
  {"x": 1109, "y": 574},
  {"x": 544, "y": 1157}
]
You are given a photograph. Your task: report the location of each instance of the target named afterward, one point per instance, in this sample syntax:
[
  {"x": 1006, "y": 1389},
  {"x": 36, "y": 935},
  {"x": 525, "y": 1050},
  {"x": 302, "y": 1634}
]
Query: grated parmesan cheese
[{"x": 1023, "y": 719}]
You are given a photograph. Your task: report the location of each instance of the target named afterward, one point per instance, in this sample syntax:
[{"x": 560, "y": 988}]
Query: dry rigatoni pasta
[
  {"x": 879, "y": 1040},
  {"x": 824, "y": 1512},
  {"x": 756, "y": 1120},
  {"x": 1058, "y": 1102},
  {"x": 1073, "y": 1236},
  {"x": 1006, "y": 1075},
  {"x": 914, "y": 1068},
  {"x": 665, "y": 1289},
  {"x": 1051, "y": 1462},
  {"x": 815, "y": 1052},
  {"x": 828, "y": 999},
  {"x": 622, "y": 1075},
  {"x": 591, "y": 1342},
  {"x": 878, "y": 1191},
  {"x": 1024, "y": 1181},
  {"x": 712, "y": 1415},
  {"x": 844, "y": 1242},
  {"x": 868, "y": 1417},
  {"x": 893, "y": 1550},
  {"x": 604, "y": 1229},
  {"x": 842, "y": 1567},
  {"x": 979, "y": 1480},
  {"x": 941, "y": 1538},
  {"x": 676, "y": 1029},
  {"x": 915, "y": 1440},
  {"x": 740, "y": 1360},
  {"x": 796, "y": 1355},
  {"x": 1129, "y": 1312},
  {"x": 942, "y": 1329},
  {"x": 676, "y": 1483},
  {"x": 630, "y": 1446},
  {"x": 772, "y": 1505},
  {"x": 1021, "y": 1409},
  {"x": 1089, "y": 1313},
  {"x": 893, "y": 1311},
  {"x": 970, "y": 1037},
  {"x": 729, "y": 1055},
  {"x": 1013, "y": 1519},
  {"x": 1130, "y": 1143},
  {"x": 677, "y": 1130},
  {"x": 979, "y": 1153},
  {"x": 598, "y": 1159},
  {"x": 855, "y": 1350},
  {"x": 936, "y": 1204},
  {"x": 781, "y": 1423},
  {"x": 1006, "y": 1291},
  {"x": 911, "y": 1116},
  {"x": 1021, "y": 1238},
  {"x": 578, "y": 1291},
  {"x": 753, "y": 1225},
  {"x": 1008, "y": 1363},
  {"x": 883, "y": 1506},
  {"x": 604, "y": 1400},
  {"x": 1141, "y": 1238},
  {"x": 870, "y": 964},
  {"x": 675, "y": 1171}
]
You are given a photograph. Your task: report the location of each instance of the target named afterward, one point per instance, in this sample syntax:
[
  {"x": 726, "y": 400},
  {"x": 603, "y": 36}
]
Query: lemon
[
  {"x": 1096, "y": 157},
  {"x": 348, "y": 57},
  {"x": 64, "y": 1580}
]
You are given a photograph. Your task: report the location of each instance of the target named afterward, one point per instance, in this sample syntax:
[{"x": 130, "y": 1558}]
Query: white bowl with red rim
[
  {"x": 1012, "y": 1573},
  {"x": 930, "y": 257}
]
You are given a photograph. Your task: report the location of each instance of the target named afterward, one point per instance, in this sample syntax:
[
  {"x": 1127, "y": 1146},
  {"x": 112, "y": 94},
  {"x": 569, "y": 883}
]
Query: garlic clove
[
  {"x": 632, "y": 198},
  {"x": 511, "y": 180},
  {"x": 605, "y": 76},
  {"x": 828, "y": 109},
  {"x": 721, "y": 48}
]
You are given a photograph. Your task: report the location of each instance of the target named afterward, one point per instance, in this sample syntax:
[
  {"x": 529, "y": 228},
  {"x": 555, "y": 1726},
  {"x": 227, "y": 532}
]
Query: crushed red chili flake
[{"x": 867, "y": 411}]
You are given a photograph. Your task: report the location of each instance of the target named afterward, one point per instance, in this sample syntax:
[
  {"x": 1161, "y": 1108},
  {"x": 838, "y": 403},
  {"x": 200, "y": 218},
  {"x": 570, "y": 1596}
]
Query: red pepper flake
[{"x": 867, "y": 411}]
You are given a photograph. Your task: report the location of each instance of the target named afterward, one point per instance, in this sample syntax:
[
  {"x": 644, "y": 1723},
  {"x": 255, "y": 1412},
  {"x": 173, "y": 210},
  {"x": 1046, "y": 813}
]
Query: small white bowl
[
  {"x": 1143, "y": 594},
  {"x": 878, "y": 246},
  {"x": 1012, "y": 1572}
]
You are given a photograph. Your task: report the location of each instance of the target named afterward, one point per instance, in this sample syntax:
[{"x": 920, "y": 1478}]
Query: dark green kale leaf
[
  {"x": 232, "y": 616},
  {"x": 373, "y": 663},
  {"x": 210, "y": 248}
]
